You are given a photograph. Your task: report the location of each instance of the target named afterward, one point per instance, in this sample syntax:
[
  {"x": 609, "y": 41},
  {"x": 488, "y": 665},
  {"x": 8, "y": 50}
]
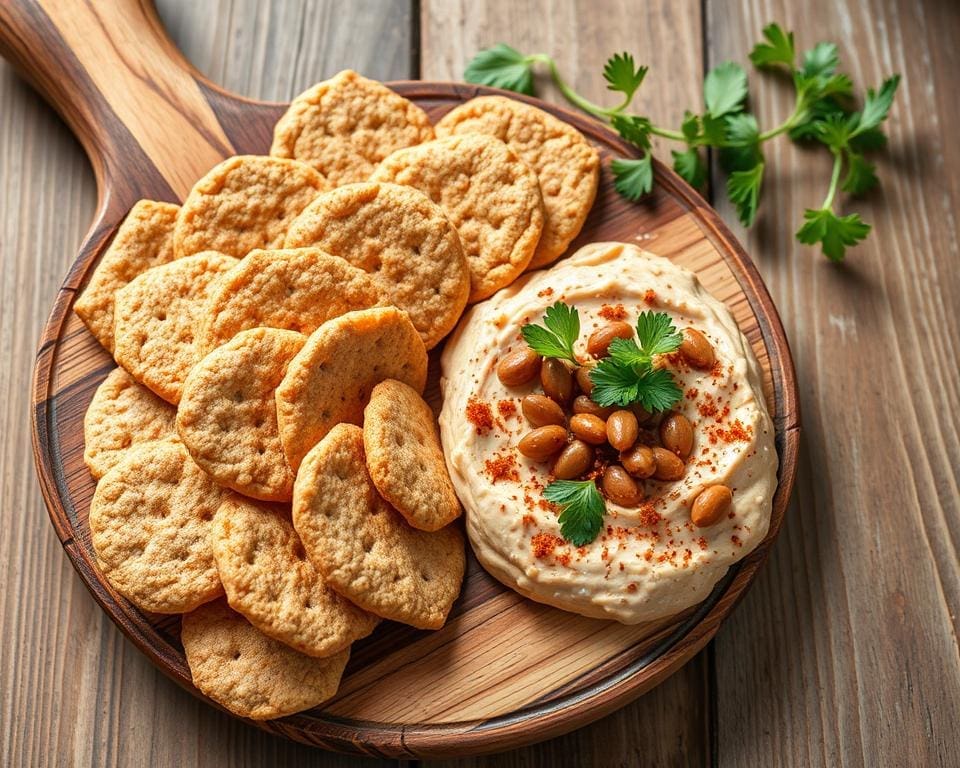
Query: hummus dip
[{"x": 649, "y": 562}]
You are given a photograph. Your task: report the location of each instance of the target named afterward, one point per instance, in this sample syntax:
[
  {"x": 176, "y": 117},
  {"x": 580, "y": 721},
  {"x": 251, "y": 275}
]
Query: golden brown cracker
[
  {"x": 270, "y": 581},
  {"x": 363, "y": 547},
  {"x": 122, "y": 414},
  {"x": 489, "y": 193},
  {"x": 143, "y": 240},
  {"x": 227, "y": 417},
  {"x": 150, "y": 527},
  {"x": 403, "y": 240},
  {"x": 404, "y": 457},
  {"x": 298, "y": 289},
  {"x": 330, "y": 379},
  {"x": 243, "y": 203},
  {"x": 156, "y": 321},
  {"x": 566, "y": 164},
  {"x": 344, "y": 126},
  {"x": 250, "y": 674}
]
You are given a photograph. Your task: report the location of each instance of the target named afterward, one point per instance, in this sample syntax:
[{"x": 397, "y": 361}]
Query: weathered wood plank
[
  {"x": 72, "y": 689},
  {"x": 845, "y": 651},
  {"x": 669, "y": 725}
]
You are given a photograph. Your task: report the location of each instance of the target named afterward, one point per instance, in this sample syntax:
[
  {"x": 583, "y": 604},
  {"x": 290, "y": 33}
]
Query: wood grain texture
[
  {"x": 73, "y": 690},
  {"x": 847, "y": 652},
  {"x": 670, "y": 724}
]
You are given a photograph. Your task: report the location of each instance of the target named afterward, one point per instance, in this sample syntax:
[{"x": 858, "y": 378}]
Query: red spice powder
[
  {"x": 617, "y": 312},
  {"x": 632, "y": 587},
  {"x": 502, "y": 468},
  {"x": 480, "y": 415},
  {"x": 528, "y": 520},
  {"x": 507, "y": 408},
  {"x": 543, "y": 544},
  {"x": 702, "y": 543},
  {"x": 692, "y": 393},
  {"x": 545, "y": 293},
  {"x": 737, "y": 433},
  {"x": 649, "y": 516},
  {"x": 650, "y": 297},
  {"x": 736, "y": 541}
]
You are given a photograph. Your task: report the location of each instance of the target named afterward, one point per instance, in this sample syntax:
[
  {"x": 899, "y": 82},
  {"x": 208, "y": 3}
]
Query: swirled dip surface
[{"x": 649, "y": 562}]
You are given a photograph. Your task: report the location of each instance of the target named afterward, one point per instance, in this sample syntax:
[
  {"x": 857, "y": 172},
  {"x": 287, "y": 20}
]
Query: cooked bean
[
  {"x": 643, "y": 415},
  {"x": 518, "y": 367},
  {"x": 573, "y": 461},
  {"x": 676, "y": 434},
  {"x": 639, "y": 461},
  {"x": 589, "y": 428},
  {"x": 669, "y": 465},
  {"x": 543, "y": 442},
  {"x": 583, "y": 404},
  {"x": 583, "y": 379},
  {"x": 622, "y": 429},
  {"x": 620, "y": 487},
  {"x": 711, "y": 504},
  {"x": 696, "y": 350},
  {"x": 540, "y": 411},
  {"x": 599, "y": 342},
  {"x": 557, "y": 381}
]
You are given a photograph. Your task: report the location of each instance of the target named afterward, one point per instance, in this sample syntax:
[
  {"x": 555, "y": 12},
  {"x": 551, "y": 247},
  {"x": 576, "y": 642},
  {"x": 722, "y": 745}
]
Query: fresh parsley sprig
[
  {"x": 627, "y": 375},
  {"x": 823, "y": 112},
  {"x": 581, "y": 509},
  {"x": 557, "y": 335}
]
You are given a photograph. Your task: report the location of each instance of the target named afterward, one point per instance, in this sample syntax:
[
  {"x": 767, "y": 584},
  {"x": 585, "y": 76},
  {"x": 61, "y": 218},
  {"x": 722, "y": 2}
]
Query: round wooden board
[{"x": 504, "y": 671}]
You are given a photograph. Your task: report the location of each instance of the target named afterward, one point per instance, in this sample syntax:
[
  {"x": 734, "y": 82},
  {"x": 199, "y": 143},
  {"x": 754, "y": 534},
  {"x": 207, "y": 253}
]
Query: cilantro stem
[
  {"x": 667, "y": 133},
  {"x": 787, "y": 124},
  {"x": 834, "y": 179},
  {"x": 571, "y": 95}
]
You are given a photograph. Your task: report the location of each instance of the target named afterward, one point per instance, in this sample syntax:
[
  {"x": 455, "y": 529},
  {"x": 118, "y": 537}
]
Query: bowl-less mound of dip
[{"x": 649, "y": 560}]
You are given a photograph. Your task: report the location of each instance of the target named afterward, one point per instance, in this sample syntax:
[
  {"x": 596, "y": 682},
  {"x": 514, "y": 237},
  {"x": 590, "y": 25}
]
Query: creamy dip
[{"x": 649, "y": 562}]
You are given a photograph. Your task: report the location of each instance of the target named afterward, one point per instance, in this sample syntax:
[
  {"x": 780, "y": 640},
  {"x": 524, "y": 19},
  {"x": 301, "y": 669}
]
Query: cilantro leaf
[
  {"x": 777, "y": 50},
  {"x": 582, "y": 509},
  {"x": 834, "y": 131},
  {"x": 742, "y": 150},
  {"x": 618, "y": 383},
  {"x": 725, "y": 88},
  {"x": 690, "y": 127},
  {"x": 558, "y": 337},
  {"x": 861, "y": 176},
  {"x": 822, "y": 59},
  {"x": 743, "y": 189},
  {"x": 834, "y": 233},
  {"x": 621, "y": 75},
  {"x": 876, "y": 106},
  {"x": 501, "y": 67},
  {"x": 657, "y": 333},
  {"x": 690, "y": 166},
  {"x": 633, "y": 178},
  {"x": 714, "y": 129},
  {"x": 633, "y": 128}
]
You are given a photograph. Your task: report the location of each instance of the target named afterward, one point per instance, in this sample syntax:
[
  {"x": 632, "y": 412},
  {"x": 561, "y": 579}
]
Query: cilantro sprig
[
  {"x": 581, "y": 509},
  {"x": 823, "y": 113},
  {"x": 627, "y": 375},
  {"x": 557, "y": 335}
]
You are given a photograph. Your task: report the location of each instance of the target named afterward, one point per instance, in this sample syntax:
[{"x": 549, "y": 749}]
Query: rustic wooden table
[{"x": 844, "y": 652}]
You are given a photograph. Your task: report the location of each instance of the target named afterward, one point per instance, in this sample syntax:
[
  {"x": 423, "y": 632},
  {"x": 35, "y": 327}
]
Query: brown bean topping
[
  {"x": 669, "y": 465},
  {"x": 622, "y": 429},
  {"x": 583, "y": 404},
  {"x": 573, "y": 461},
  {"x": 557, "y": 381},
  {"x": 599, "y": 342},
  {"x": 583, "y": 379},
  {"x": 643, "y": 415},
  {"x": 676, "y": 434},
  {"x": 696, "y": 350},
  {"x": 711, "y": 504},
  {"x": 589, "y": 428},
  {"x": 620, "y": 487},
  {"x": 518, "y": 367},
  {"x": 543, "y": 442},
  {"x": 639, "y": 461},
  {"x": 540, "y": 411}
]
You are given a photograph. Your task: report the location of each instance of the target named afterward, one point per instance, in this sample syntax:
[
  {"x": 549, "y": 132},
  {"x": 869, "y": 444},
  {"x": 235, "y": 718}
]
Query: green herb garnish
[
  {"x": 627, "y": 374},
  {"x": 823, "y": 113},
  {"x": 582, "y": 509},
  {"x": 557, "y": 335}
]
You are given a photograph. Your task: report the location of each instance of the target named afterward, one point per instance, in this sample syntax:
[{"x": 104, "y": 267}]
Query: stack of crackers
[{"x": 266, "y": 464}]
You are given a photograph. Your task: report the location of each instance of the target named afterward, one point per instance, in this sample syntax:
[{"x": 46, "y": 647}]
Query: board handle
[{"x": 136, "y": 104}]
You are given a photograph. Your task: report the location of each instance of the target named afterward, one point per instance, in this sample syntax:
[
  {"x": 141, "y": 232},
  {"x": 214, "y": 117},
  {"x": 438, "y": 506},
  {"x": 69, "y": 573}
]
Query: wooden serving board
[{"x": 504, "y": 671}]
